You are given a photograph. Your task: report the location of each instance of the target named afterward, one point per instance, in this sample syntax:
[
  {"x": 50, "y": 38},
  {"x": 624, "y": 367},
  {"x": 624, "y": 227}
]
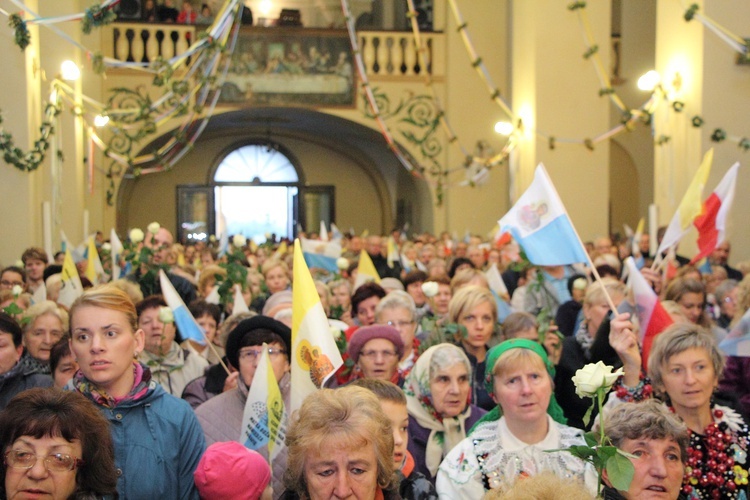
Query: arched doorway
[{"x": 347, "y": 174}]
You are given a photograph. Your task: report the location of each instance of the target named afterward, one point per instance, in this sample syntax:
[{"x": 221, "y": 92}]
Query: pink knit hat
[
  {"x": 229, "y": 470},
  {"x": 366, "y": 333}
]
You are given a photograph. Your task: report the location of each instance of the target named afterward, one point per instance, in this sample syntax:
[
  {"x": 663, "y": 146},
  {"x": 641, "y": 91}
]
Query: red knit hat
[
  {"x": 366, "y": 333},
  {"x": 229, "y": 470}
]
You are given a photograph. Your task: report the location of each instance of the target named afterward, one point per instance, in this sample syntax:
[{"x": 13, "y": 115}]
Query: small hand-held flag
[
  {"x": 264, "y": 419},
  {"x": 539, "y": 223},
  {"x": 365, "y": 270},
  {"x": 712, "y": 221}
]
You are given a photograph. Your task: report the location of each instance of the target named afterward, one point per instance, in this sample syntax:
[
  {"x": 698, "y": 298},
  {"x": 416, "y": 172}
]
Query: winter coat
[
  {"x": 173, "y": 371},
  {"x": 221, "y": 420},
  {"x": 18, "y": 379},
  {"x": 158, "y": 443}
]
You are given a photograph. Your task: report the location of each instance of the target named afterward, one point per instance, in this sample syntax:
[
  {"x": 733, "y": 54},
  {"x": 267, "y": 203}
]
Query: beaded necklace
[{"x": 715, "y": 466}]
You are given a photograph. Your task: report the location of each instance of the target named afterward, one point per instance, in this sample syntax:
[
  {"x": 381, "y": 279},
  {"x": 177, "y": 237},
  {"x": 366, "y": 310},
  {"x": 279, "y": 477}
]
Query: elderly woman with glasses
[
  {"x": 56, "y": 445},
  {"x": 398, "y": 310},
  {"x": 221, "y": 416},
  {"x": 376, "y": 351}
]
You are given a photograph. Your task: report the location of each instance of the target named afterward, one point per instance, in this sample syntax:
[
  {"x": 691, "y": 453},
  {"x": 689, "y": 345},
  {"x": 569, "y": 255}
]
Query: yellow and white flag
[
  {"x": 315, "y": 357},
  {"x": 393, "y": 256},
  {"x": 365, "y": 270},
  {"x": 265, "y": 418},
  {"x": 71, "y": 282},
  {"x": 94, "y": 268},
  {"x": 689, "y": 208}
]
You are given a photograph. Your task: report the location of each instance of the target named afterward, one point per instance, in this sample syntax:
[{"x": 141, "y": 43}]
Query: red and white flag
[
  {"x": 652, "y": 317},
  {"x": 712, "y": 221}
]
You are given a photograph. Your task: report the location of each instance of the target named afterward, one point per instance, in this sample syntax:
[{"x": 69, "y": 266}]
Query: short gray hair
[
  {"x": 445, "y": 356},
  {"x": 397, "y": 299},
  {"x": 649, "y": 419},
  {"x": 724, "y": 289},
  {"x": 679, "y": 338}
]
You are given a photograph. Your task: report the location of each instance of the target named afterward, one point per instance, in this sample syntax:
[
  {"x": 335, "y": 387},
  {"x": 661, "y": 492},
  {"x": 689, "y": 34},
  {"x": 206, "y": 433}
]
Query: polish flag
[
  {"x": 711, "y": 223},
  {"x": 652, "y": 317}
]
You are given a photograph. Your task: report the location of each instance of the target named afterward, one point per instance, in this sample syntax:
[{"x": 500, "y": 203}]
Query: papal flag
[
  {"x": 183, "y": 318},
  {"x": 315, "y": 357},
  {"x": 71, "y": 282},
  {"x": 94, "y": 269},
  {"x": 265, "y": 418},
  {"x": 117, "y": 248},
  {"x": 365, "y": 270}
]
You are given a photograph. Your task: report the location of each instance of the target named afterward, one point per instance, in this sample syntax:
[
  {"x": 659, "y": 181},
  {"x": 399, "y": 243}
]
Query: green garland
[
  {"x": 29, "y": 161},
  {"x": 22, "y": 36},
  {"x": 95, "y": 17}
]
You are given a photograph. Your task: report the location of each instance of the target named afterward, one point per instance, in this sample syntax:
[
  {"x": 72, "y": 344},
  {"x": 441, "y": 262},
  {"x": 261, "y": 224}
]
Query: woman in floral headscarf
[
  {"x": 438, "y": 399},
  {"x": 513, "y": 440}
]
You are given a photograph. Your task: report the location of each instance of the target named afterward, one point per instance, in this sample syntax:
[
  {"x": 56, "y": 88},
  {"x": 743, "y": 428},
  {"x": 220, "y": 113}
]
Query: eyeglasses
[
  {"x": 58, "y": 462},
  {"x": 728, "y": 300},
  {"x": 399, "y": 324},
  {"x": 376, "y": 354},
  {"x": 10, "y": 284},
  {"x": 253, "y": 354}
]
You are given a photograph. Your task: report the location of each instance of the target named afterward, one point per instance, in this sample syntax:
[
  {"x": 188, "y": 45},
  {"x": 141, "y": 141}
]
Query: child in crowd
[{"x": 414, "y": 485}]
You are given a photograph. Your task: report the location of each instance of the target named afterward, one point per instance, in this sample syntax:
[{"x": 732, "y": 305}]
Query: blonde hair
[
  {"x": 130, "y": 288},
  {"x": 679, "y": 338},
  {"x": 349, "y": 414},
  {"x": 467, "y": 298},
  {"x": 466, "y": 276},
  {"x": 209, "y": 273},
  {"x": 106, "y": 297},
  {"x": 595, "y": 293},
  {"x": 40, "y": 309},
  {"x": 272, "y": 264},
  {"x": 543, "y": 486}
]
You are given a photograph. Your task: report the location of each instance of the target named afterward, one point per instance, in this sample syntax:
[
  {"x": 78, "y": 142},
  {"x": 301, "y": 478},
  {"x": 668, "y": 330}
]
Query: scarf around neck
[
  {"x": 445, "y": 432},
  {"x": 141, "y": 386}
]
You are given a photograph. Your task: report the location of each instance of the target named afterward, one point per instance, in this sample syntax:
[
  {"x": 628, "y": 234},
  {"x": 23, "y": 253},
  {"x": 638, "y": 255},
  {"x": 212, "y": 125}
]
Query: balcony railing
[{"x": 388, "y": 54}]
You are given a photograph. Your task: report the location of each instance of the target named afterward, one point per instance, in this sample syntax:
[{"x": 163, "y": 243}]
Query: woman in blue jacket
[{"x": 158, "y": 441}]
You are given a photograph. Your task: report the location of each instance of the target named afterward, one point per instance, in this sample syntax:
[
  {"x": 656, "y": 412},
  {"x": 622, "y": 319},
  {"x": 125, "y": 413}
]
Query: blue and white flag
[
  {"x": 186, "y": 324},
  {"x": 539, "y": 223}
]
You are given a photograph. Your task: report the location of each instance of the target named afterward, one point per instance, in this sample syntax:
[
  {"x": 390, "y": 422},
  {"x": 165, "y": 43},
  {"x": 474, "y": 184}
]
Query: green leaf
[
  {"x": 592, "y": 438},
  {"x": 606, "y": 452},
  {"x": 620, "y": 471},
  {"x": 587, "y": 415}
]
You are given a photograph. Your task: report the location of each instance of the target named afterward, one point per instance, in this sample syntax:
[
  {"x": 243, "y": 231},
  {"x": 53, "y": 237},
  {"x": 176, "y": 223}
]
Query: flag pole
[{"x": 610, "y": 302}]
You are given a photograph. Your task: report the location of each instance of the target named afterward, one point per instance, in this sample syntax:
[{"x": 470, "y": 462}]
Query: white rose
[
  {"x": 594, "y": 376},
  {"x": 239, "y": 241},
  {"x": 106, "y": 246},
  {"x": 430, "y": 289},
  {"x": 136, "y": 235},
  {"x": 154, "y": 227},
  {"x": 19, "y": 263},
  {"x": 166, "y": 315},
  {"x": 335, "y": 332},
  {"x": 212, "y": 238},
  {"x": 17, "y": 290},
  {"x": 342, "y": 263}
]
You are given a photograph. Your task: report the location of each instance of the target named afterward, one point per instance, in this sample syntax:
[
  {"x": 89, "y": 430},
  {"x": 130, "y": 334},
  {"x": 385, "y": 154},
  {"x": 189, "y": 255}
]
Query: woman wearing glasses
[
  {"x": 376, "y": 351},
  {"x": 398, "y": 310},
  {"x": 55, "y": 445},
  {"x": 221, "y": 416}
]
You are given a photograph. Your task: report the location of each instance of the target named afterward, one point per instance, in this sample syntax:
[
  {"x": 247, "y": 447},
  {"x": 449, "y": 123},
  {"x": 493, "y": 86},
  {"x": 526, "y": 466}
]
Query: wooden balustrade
[{"x": 391, "y": 54}]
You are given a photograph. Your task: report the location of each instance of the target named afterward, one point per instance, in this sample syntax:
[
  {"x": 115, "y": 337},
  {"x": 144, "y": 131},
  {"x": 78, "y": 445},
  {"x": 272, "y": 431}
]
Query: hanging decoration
[{"x": 132, "y": 114}]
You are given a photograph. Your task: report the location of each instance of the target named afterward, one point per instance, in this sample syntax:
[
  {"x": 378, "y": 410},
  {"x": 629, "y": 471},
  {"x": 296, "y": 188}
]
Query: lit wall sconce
[{"x": 69, "y": 71}]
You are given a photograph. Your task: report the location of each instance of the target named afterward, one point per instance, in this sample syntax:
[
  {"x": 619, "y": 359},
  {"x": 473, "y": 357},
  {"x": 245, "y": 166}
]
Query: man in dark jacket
[
  {"x": 374, "y": 249},
  {"x": 15, "y": 377}
]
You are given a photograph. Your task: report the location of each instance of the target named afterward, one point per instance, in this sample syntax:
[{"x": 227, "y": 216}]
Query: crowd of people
[{"x": 454, "y": 384}]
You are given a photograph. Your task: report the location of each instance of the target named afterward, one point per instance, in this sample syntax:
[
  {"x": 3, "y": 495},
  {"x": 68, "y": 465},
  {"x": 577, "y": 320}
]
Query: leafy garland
[{"x": 30, "y": 161}]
